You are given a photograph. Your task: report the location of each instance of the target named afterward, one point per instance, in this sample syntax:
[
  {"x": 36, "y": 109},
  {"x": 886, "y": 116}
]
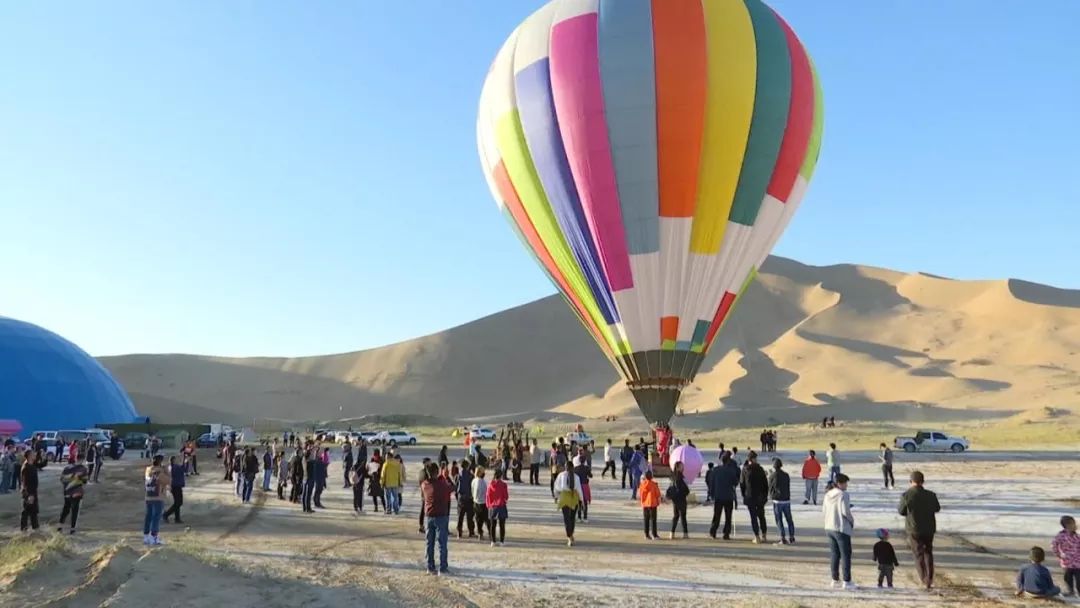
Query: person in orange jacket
[
  {"x": 811, "y": 471},
  {"x": 649, "y": 492}
]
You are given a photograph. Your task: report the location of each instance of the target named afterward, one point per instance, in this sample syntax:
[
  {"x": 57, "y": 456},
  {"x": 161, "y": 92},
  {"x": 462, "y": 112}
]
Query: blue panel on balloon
[{"x": 48, "y": 383}]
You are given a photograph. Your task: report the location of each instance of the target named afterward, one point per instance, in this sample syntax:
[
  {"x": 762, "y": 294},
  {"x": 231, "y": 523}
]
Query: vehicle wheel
[
  {"x": 957, "y": 448},
  {"x": 909, "y": 447},
  {"x": 412, "y": 441}
]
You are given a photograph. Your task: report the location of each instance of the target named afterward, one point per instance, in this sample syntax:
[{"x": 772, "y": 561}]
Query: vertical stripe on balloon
[
  {"x": 800, "y": 120},
  {"x": 729, "y": 107},
  {"x": 579, "y": 103},
  {"x": 770, "y": 113}
]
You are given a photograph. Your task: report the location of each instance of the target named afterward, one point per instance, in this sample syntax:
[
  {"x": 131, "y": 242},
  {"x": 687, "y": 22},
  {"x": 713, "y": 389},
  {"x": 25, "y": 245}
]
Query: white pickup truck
[{"x": 932, "y": 441}]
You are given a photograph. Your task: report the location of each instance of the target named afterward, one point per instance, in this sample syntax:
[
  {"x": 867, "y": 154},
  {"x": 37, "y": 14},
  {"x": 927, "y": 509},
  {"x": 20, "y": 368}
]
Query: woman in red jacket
[{"x": 497, "y": 497}]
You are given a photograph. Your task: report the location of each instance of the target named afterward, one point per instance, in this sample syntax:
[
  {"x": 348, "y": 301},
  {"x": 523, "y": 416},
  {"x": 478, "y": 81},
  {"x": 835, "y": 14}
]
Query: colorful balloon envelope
[{"x": 649, "y": 154}]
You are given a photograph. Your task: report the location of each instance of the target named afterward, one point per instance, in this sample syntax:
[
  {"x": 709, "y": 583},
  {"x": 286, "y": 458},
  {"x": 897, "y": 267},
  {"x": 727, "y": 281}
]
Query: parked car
[
  {"x": 932, "y": 441},
  {"x": 341, "y": 436},
  {"x": 134, "y": 440},
  {"x": 578, "y": 437},
  {"x": 98, "y": 436},
  {"x": 482, "y": 433},
  {"x": 368, "y": 436},
  {"x": 396, "y": 438},
  {"x": 207, "y": 440}
]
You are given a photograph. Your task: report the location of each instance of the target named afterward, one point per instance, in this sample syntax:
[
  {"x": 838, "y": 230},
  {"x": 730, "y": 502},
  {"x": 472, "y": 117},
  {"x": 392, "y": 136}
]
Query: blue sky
[{"x": 286, "y": 178}]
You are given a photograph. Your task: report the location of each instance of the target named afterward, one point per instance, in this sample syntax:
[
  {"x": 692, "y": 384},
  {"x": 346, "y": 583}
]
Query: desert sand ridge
[{"x": 842, "y": 336}]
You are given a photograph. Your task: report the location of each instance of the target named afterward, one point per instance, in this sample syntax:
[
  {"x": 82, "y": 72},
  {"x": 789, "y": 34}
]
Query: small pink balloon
[{"x": 692, "y": 461}]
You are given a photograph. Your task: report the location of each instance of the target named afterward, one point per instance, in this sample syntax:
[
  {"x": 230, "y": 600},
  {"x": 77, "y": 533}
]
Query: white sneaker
[
  {"x": 493, "y": 543},
  {"x": 835, "y": 584},
  {"x": 850, "y": 586},
  {"x": 158, "y": 541}
]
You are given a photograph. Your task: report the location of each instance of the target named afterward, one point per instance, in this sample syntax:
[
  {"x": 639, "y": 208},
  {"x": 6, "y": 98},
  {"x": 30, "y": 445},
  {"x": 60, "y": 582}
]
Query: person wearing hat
[{"x": 885, "y": 556}]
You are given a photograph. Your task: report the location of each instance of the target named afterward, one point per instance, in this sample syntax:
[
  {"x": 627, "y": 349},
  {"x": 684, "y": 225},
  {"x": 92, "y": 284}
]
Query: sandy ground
[{"x": 995, "y": 506}]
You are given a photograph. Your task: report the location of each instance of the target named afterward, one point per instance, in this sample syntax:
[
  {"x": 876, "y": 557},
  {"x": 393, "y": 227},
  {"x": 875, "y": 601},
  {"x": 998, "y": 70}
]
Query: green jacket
[{"x": 919, "y": 506}]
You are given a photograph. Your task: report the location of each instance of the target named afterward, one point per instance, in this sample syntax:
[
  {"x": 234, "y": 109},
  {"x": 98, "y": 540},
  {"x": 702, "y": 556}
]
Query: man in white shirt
[{"x": 609, "y": 460}]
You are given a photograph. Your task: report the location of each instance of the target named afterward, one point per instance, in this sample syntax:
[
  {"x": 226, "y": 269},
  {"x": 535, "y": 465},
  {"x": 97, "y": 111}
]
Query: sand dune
[{"x": 831, "y": 337}]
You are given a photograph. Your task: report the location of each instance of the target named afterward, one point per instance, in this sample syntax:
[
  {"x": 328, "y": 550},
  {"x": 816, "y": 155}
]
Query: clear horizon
[{"x": 284, "y": 180}]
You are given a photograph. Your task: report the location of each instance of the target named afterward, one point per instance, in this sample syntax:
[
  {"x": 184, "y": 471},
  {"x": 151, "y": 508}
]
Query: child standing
[
  {"x": 1066, "y": 546},
  {"x": 650, "y": 500},
  {"x": 497, "y": 496},
  {"x": 1034, "y": 579},
  {"x": 885, "y": 556}
]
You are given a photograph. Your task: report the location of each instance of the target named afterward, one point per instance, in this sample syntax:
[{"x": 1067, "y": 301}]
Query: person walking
[
  {"x": 267, "y": 468},
  {"x": 638, "y": 465},
  {"x": 537, "y": 457},
  {"x": 755, "y": 490},
  {"x": 479, "y": 493},
  {"x": 885, "y": 557},
  {"x": 296, "y": 476},
  {"x": 250, "y": 471},
  {"x": 28, "y": 479},
  {"x": 722, "y": 486},
  {"x": 435, "y": 491},
  {"x": 177, "y": 481},
  {"x": 465, "y": 503},
  {"x": 375, "y": 489},
  {"x": 239, "y": 458},
  {"x": 392, "y": 480},
  {"x": 832, "y": 461},
  {"x": 625, "y": 455},
  {"x": 155, "y": 480},
  {"x": 811, "y": 472},
  {"x": 347, "y": 462},
  {"x": 92, "y": 456},
  {"x": 649, "y": 491},
  {"x": 780, "y": 493},
  {"x": 558, "y": 463},
  {"x": 310, "y": 472},
  {"x": 677, "y": 493},
  {"x": 839, "y": 526},
  {"x": 584, "y": 473},
  {"x": 322, "y": 474},
  {"x": 609, "y": 460},
  {"x": 886, "y": 460},
  {"x": 498, "y": 495},
  {"x": 920, "y": 506},
  {"x": 8, "y": 461},
  {"x": 74, "y": 478},
  {"x": 569, "y": 498}
]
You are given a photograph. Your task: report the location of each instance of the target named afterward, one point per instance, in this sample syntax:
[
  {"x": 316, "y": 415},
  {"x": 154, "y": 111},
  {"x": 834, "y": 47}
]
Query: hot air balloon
[{"x": 649, "y": 154}]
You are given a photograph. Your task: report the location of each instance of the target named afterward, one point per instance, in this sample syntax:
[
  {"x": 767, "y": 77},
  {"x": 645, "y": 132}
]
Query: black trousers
[
  {"x": 625, "y": 472},
  {"x": 680, "y": 515},
  {"x": 465, "y": 513},
  {"x": 757, "y": 519},
  {"x": 178, "y": 501},
  {"x": 29, "y": 512},
  {"x": 319, "y": 487},
  {"x": 358, "y": 497},
  {"x": 722, "y": 508},
  {"x": 297, "y": 489},
  {"x": 1072, "y": 579},
  {"x": 886, "y": 472},
  {"x": 534, "y": 474},
  {"x": 608, "y": 465},
  {"x": 552, "y": 481},
  {"x": 309, "y": 492},
  {"x": 569, "y": 519},
  {"x": 481, "y": 515},
  {"x": 194, "y": 465},
  {"x": 347, "y": 466},
  {"x": 496, "y": 521},
  {"x": 71, "y": 505},
  {"x": 650, "y": 520}
]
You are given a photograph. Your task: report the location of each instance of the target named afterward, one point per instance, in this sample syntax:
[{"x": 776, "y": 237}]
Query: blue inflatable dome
[{"x": 48, "y": 383}]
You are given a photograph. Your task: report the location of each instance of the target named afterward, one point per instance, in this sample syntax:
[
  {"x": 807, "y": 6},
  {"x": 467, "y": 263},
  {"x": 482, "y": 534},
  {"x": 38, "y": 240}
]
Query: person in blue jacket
[
  {"x": 1034, "y": 579},
  {"x": 638, "y": 464}
]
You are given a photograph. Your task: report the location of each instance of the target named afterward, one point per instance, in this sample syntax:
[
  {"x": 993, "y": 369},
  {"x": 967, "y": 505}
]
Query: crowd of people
[{"x": 480, "y": 488}]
